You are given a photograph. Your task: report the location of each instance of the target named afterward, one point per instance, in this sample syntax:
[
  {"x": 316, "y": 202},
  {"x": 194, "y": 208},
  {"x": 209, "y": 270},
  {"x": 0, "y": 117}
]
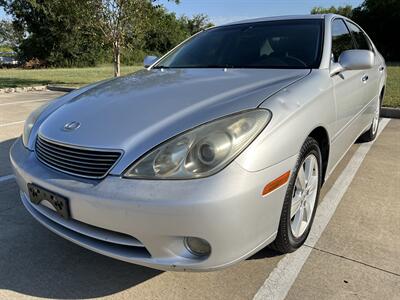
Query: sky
[{"x": 225, "y": 11}]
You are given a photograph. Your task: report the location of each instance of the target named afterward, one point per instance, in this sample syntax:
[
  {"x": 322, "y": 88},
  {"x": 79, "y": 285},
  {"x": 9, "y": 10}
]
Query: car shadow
[
  {"x": 5, "y": 166},
  {"x": 267, "y": 252},
  {"x": 36, "y": 262}
]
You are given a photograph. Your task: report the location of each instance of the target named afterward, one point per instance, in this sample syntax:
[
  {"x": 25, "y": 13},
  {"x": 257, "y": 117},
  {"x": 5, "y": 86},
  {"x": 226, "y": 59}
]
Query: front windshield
[{"x": 274, "y": 44}]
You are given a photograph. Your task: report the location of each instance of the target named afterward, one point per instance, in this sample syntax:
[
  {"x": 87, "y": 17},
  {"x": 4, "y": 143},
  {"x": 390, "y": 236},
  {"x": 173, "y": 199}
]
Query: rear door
[{"x": 372, "y": 75}]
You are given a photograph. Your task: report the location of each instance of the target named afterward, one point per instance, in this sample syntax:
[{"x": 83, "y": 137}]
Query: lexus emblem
[{"x": 72, "y": 126}]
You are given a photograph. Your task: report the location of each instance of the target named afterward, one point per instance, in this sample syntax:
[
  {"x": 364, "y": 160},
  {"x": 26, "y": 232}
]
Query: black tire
[{"x": 285, "y": 241}]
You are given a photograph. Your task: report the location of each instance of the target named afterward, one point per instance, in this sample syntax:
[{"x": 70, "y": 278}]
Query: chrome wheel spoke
[
  {"x": 308, "y": 168},
  {"x": 304, "y": 195},
  {"x": 296, "y": 203},
  {"x": 301, "y": 179},
  {"x": 298, "y": 221},
  {"x": 307, "y": 211},
  {"x": 313, "y": 183}
]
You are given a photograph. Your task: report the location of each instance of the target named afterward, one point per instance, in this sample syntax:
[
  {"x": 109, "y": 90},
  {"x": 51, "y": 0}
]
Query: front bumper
[{"x": 145, "y": 221}]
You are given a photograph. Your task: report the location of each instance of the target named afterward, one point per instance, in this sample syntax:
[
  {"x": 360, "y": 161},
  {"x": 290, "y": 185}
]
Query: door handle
[
  {"x": 381, "y": 68},
  {"x": 364, "y": 78}
]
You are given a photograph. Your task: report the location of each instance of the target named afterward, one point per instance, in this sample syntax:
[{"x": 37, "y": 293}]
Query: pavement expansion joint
[{"x": 352, "y": 260}]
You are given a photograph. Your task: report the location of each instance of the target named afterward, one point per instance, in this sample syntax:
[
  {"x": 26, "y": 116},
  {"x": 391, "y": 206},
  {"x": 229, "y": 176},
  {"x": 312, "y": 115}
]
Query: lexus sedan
[{"x": 210, "y": 153}]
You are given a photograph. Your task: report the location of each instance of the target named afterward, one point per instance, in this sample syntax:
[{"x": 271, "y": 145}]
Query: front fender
[{"x": 297, "y": 110}]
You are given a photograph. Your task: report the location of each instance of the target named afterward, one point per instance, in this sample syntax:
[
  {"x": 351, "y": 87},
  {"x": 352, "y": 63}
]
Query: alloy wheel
[
  {"x": 375, "y": 121},
  {"x": 304, "y": 195}
]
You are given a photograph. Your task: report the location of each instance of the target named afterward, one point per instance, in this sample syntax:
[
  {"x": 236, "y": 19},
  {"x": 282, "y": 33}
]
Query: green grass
[
  {"x": 75, "y": 77},
  {"x": 72, "y": 77},
  {"x": 392, "y": 97}
]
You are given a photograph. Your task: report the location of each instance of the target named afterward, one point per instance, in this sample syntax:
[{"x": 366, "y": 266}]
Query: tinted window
[
  {"x": 341, "y": 39},
  {"x": 359, "y": 36},
  {"x": 274, "y": 44}
]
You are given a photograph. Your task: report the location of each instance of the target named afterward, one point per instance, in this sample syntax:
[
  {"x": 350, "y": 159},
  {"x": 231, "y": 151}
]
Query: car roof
[{"x": 279, "y": 18}]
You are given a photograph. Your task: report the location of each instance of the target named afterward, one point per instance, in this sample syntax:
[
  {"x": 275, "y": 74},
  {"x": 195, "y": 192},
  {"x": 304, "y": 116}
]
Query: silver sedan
[{"x": 210, "y": 153}]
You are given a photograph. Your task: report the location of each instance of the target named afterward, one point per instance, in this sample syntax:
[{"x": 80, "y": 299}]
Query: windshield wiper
[
  {"x": 161, "y": 67},
  {"x": 197, "y": 67}
]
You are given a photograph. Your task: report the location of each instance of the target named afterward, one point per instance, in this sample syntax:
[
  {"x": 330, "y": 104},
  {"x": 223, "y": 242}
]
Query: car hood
[{"x": 137, "y": 112}]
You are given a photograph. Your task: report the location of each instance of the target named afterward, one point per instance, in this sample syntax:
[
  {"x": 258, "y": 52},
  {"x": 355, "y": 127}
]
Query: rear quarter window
[{"x": 361, "y": 39}]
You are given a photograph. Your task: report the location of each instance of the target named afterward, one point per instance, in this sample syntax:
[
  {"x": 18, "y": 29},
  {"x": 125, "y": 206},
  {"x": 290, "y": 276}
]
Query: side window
[
  {"x": 361, "y": 40},
  {"x": 341, "y": 39}
]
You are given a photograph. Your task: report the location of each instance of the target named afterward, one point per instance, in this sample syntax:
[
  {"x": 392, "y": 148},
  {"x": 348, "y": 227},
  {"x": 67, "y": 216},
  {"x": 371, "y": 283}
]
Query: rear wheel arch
[{"x": 382, "y": 94}]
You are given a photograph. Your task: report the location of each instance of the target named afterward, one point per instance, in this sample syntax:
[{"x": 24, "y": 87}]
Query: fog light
[{"x": 197, "y": 246}]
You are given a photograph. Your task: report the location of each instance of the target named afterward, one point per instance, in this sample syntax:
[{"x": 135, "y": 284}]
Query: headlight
[
  {"x": 30, "y": 122},
  {"x": 202, "y": 151}
]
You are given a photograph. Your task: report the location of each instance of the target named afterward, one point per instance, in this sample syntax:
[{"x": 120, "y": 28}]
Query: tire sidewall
[
  {"x": 309, "y": 148},
  {"x": 372, "y": 134}
]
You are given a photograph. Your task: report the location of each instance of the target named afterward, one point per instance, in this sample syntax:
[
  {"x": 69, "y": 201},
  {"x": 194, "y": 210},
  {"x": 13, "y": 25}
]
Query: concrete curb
[
  {"x": 390, "y": 112},
  {"x": 23, "y": 89},
  {"x": 60, "y": 88},
  {"x": 36, "y": 89}
]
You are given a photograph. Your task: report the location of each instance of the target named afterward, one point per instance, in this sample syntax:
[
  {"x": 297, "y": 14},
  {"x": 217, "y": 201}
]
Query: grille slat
[
  {"x": 72, "y": 166},
  {"x": 76, "y": 157},
  {"x": 70, "y": 159},
  {"x": 69, "y": 168},
  {"x": 73, "y": 151}
]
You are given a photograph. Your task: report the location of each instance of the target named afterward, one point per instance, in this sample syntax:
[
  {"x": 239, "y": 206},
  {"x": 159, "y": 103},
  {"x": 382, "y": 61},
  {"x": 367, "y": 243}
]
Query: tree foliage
[
  {"x": 7, "y": 35},
  {"x": 53, "y": 31},
  {"x": 346, "y": 11},
  {"x": 121, "y": 22},
  {"x": 164, "y": 32},
  {"x": 379, "y": 18},
  {"x": 196, "y": 23},
  {"x": 80, "y": 33}
]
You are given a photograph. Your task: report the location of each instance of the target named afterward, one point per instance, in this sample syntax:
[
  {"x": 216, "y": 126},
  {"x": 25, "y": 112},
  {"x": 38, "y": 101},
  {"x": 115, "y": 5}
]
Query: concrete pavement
[{"x": 357, "y": 254}]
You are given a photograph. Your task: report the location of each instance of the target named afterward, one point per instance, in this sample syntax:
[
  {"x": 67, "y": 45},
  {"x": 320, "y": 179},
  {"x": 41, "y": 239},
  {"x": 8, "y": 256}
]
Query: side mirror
[
  {"x": 149, "y": 60},
  {"x": 353, "y": 60}
]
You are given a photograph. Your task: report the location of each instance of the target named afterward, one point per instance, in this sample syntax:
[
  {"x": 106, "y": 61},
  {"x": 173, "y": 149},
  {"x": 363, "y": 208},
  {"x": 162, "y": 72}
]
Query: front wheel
[{"x": 301, "y": 199}]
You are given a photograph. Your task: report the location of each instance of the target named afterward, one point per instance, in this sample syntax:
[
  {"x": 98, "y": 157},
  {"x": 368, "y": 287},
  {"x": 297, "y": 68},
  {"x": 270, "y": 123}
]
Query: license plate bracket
[{"x": 37, "y": 194}]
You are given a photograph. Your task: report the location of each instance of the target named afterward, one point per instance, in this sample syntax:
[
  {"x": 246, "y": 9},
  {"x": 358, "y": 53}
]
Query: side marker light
[{"x": 276, "y": 183}]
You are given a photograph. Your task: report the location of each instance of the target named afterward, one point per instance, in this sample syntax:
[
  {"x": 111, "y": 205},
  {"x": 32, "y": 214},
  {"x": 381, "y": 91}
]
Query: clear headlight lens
[
  {"x": 30, "y": 122},
  {"x": 202, "y": 151}
]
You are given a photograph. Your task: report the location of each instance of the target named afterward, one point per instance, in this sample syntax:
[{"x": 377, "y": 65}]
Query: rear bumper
[{"x": 144, "y": 221}]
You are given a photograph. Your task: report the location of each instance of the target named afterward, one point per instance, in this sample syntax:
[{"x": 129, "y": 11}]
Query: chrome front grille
[{"x": 84, "y": 162}]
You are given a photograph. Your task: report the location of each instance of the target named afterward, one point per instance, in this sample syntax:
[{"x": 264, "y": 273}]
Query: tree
[
  {"x": 119, "y": 19},
  {"x": 116, "y": 19},
  {"x": 54, "y": 32},
  {"x": 346, "y": 11},
  {"x": 85, "y": 33},
  {"x": 7, "y": 35},
  {"x": 380, "y": 19},
  {"x": 164, "y": 32},
  {"x": 196, "y": 23}
]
